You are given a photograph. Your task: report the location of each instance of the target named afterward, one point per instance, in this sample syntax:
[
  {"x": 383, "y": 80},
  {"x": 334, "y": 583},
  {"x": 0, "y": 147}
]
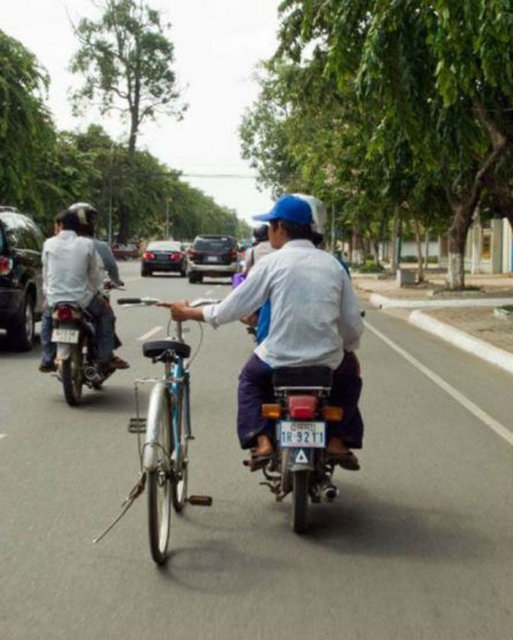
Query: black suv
[
  {"x": 212, "y": 255},
  {"x": 21, "y": 297}
]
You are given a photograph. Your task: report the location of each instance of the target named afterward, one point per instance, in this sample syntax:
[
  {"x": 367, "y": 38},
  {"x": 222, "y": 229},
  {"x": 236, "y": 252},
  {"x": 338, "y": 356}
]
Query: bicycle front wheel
[
  {"x": 180, "y": 457},
  {"x": 158, "y": 476}
]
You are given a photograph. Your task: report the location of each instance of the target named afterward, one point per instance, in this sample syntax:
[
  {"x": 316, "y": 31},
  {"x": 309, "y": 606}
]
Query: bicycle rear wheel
[
  {"x": 71, "y": 373},
  {"x": 180, "y": 459},
  {"x": 158, "y": 479}
]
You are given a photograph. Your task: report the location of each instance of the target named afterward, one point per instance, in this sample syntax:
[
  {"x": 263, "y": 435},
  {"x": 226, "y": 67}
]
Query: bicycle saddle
[{"x": 157, "y": 348}]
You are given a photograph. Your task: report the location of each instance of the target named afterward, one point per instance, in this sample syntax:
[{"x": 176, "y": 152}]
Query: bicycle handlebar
[{"x": 146, "y": 302}]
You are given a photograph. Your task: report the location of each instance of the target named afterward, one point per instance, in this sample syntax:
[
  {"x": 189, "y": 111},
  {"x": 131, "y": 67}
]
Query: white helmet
[{"x": 319, "y": 213}]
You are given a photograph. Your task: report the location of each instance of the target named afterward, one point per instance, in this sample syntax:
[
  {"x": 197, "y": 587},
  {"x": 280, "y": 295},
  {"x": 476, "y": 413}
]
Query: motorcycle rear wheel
[
  {"x": 300, "y": 481},
  {"x": 72, "y": 375}
]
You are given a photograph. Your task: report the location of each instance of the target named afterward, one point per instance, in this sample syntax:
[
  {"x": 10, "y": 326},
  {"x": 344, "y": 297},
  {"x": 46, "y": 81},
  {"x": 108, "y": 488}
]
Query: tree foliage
[
  {"x": 26, "y": 128},
  {"x": 127, "y": 60}
]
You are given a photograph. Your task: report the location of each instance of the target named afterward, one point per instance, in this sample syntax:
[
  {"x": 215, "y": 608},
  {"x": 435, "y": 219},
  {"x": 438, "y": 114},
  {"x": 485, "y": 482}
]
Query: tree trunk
[
  {"x": 395, "y": 231},
  {"x": 457, "y": 240},
  {"x": 124, "y": 224},
  {"x": 418, "y": 239}
]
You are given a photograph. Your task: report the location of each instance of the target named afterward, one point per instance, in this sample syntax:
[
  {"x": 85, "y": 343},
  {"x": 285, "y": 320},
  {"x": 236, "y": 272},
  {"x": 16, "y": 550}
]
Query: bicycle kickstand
[{"x": 134, "y": 493}]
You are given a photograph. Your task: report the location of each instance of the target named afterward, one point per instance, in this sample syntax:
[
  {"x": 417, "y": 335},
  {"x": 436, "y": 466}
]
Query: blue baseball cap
[{"x": 289, "y": 208}]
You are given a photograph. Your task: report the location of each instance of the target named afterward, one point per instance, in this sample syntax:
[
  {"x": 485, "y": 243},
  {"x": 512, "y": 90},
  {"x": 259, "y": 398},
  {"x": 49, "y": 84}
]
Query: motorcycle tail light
[
  {"x": 65, "y": 314},
  {"x": 332, "y": 414},
  {"x": 272, "y": 411},
  {"x": 5, "y": 265},
  {"x": 302, "y": 407}
]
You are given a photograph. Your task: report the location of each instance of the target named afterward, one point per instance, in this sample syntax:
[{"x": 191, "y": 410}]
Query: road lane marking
[
  {"x": 449, "y": 389},
  {"x": 150, "y": 333},
  {"x": 3, "y": 435}
]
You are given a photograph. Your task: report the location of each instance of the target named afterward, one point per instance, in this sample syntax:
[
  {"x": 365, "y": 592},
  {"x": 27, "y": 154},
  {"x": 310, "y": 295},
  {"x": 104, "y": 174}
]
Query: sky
[{"x": 218, "y": 44}]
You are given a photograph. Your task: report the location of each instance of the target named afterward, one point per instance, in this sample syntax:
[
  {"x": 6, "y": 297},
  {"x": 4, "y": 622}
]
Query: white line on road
[
  {"x": 3, "y": 435},
  {"x": 150, "y": 333},
  {"x": 454, "y": 393}
]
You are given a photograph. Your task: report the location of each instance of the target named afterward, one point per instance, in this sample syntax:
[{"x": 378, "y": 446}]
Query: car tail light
[
  {"x": 175, "y": 256},
  {"x": 148, "y": 255},
  {"x": 5, "y": 266},
  {"x": 302, "y": 407},
  {"x": 65, "y": 314},
  {"x": 233, "y": 254}
]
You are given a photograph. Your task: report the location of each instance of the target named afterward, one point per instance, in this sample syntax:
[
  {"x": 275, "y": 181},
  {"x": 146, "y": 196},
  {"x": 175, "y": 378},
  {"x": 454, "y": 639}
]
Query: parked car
[
  {"x": 125, "y": 251},
  {"x": 212, "y": 255},
  {"x": 163, "y": 255},
  {"x": 21, "y": 278}
]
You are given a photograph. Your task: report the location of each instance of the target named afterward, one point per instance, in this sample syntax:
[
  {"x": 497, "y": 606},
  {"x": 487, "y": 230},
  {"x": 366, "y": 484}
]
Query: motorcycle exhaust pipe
[
  {"x": 92, "y": 375},
  {"x": 329, "y": 491}
]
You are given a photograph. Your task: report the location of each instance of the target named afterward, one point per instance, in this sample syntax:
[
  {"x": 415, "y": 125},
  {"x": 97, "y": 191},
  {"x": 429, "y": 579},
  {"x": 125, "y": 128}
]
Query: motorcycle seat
[
  {"x": 156, "y": 348},
  {"x": 317, "y": 376}
]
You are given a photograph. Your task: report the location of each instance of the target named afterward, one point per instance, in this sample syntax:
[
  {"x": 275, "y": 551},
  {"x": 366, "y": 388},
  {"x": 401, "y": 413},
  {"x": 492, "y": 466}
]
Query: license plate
[
  {"x": 302, "y": 434},
  {"x": 69, "y": 336},
  {"x": 212, "y": 259}
]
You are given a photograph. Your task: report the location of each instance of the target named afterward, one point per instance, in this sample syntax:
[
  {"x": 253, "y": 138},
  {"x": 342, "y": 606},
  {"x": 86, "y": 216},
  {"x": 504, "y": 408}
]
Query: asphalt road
[{"x": 417, "y": 546}]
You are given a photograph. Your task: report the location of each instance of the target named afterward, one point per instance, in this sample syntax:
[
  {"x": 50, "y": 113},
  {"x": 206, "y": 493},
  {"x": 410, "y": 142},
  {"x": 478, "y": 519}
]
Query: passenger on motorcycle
[
  {"x": 315, "y": 320},
  {"x": 87, "y": 216},
  {"x": 71, "y": 272}
]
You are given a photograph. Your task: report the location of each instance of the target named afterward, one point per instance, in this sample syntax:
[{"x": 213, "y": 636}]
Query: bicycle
[{"x": 164, "y": 459}]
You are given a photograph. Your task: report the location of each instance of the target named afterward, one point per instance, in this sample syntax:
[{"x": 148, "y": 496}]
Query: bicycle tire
[
  {"x": 159, "y": 480},
  {"x": 300, "y": 501},
  {"x": 72, "y": 375},
  {"x": 180, "y": 460}
]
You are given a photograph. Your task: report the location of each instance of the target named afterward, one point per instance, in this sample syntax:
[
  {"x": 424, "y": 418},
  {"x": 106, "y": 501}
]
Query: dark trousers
[{"x": 255, "y": 389}]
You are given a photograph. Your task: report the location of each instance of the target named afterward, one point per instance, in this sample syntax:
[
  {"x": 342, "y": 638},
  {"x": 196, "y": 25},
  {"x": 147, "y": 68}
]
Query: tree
[
  {"x": 439, "y": 71},
  {"x": 27, "y": 133},
  {"x": 127, "y": 58}
]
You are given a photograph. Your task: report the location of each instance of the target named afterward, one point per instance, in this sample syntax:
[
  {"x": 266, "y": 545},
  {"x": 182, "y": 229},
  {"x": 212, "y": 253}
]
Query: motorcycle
[
  {"x": 300, "y": 465},
  {"x": 75, "y": 336}
]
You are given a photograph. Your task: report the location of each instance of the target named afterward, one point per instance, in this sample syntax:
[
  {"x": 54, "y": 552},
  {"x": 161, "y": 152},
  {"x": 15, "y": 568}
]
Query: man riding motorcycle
[
  {"x": 315, "y": 320},
  {"x": 71, "y": 272}
]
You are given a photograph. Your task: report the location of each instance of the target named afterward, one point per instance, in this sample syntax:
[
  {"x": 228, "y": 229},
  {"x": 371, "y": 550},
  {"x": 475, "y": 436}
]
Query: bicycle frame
[{"x": 175, "y": 382}]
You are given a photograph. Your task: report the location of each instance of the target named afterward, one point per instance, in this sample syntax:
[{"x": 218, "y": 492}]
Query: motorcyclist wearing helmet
[
  {"x": 71, "y": 272},
  {"x": 87, "y": 216},
  {"x": 261, "y": 247}
]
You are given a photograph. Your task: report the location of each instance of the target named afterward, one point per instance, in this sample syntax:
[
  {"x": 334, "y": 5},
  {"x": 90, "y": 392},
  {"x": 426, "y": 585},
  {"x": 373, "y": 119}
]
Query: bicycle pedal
[
  {"x": 137, "y": 425},
  {"x": 200, "y": 501}
]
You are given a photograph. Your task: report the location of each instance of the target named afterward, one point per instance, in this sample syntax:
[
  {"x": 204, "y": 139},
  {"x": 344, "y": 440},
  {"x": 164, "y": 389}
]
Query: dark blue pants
[{"x": 255, "y": 389}]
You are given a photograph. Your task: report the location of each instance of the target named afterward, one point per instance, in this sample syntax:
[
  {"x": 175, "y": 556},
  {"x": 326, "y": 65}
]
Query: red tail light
[
  {"x": 65, "y": 314},
  {"x": 233, "y": 254},
  {"x": 302, "y": 407},
  {"x": 5, "y": 266},
  {"x": 175, "y": 256},
  {"x": 148, "y": 255}
]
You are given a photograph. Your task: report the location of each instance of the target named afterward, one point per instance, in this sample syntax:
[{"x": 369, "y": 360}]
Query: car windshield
[
  {"x": 212, "y": 244},
  {"x": 164, "y": 246}
]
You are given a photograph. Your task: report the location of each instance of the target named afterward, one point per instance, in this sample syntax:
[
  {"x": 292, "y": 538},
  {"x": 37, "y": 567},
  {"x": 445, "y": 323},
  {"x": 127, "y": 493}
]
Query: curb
[
  {"x": 463, "y": 340},
  {"x": 382, "y": 302}
]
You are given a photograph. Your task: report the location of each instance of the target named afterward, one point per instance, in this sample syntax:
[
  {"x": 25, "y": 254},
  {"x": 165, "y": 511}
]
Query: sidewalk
[{"x": 471, "y": 320}]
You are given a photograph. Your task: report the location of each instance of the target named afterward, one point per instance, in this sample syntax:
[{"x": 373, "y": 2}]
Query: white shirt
[
  {"x": 70, "y": 269},
  {"x": 254, "y": 254},
  {"x": 314, "y": 312}
]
